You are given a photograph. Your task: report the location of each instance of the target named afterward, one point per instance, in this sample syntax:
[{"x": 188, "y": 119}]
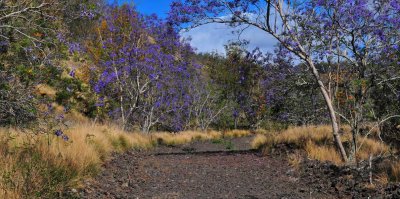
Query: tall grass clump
[
  {"x": 323, "y": 153},
  {"x": 43, "y": 165},
  {"x": 28, "y": 169},
  {"x": 236, "y": 133},
  {"x": 317, "y": 142},
  {"x": 370, "y": 146},
  {"x": 394, "y": 172},
  {"x": 262, "y": 140},
  {"x": 184, "y": 137},
  {"x": 299, "y": 136},
  {"x": 258, "y": 141}
]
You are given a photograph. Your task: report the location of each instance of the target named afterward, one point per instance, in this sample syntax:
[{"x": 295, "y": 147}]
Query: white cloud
[{"x": 213, "y": 37}]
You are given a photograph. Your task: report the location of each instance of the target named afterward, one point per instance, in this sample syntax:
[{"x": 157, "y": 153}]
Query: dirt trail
[
  {"x": 227, "y": 169},
  {"x": 192, "y": 172}
]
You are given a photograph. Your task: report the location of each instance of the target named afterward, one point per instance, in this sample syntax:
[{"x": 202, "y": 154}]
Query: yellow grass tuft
[
  {"x": 72, "y": 115},
  {"x": 58, "y": 109},
  {"x": 184, "y": 137},
  {"x": 237, "y": 133},
  {"x": 259, "y": 141},
  {"x": 300, "y": 135},
  {"x": 76, "y": 117},
  {"x": 171, "y": 139},
  {"x": 371, "y": 147},
  {"x": 323, "y": 153},
  {"x": 45, "y": 90},
  {"x": 261, "y": 131},
  {"x": 395, "y": 171},
  {"x": 215, "y": 135}
]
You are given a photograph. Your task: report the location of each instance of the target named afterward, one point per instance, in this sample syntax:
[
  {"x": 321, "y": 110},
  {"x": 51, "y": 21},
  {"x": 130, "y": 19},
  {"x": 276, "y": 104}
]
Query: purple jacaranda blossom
[
  {"x": 147, "y": 79},
  {"x": 58, "y": 133},
  {"x": 60, "y": 117},
  {"x": 65, "y": 137},
  {"x": 72, "y": 73}
]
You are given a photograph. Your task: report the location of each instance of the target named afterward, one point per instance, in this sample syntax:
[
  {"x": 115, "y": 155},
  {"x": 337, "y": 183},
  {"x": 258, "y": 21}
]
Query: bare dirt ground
[
  {"x": 219, "y": 169},
  {"x": 225, "y": 169}
]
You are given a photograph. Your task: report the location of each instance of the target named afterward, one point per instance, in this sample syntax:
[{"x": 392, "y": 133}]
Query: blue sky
[
  {"x": 159, "y": 7},
  {"x": 208, "y": 38}
]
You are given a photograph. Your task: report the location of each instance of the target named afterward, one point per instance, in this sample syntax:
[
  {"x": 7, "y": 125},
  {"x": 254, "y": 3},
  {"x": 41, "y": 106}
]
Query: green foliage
[
  {"x": 272, "y": 126},
  {"x": 237, "y": 79}
]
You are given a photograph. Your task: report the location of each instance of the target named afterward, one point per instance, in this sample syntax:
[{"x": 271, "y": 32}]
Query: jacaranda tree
[
  {"x": 144, "y": 70},
  {"x": 360, "y": 33}
]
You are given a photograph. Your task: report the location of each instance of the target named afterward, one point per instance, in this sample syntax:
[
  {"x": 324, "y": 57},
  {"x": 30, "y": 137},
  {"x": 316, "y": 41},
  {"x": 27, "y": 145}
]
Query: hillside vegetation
[{"x": 82, "y": 80}]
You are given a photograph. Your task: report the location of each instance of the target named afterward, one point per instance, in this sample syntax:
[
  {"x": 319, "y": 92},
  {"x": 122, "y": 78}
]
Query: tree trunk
[{"x": 332, "y": 114}]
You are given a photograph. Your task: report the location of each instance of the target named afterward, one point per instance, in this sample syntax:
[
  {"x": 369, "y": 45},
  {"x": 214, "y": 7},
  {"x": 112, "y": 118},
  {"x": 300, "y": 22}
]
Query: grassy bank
[
  {"x": 317, "y": 143},
  {"x": 43, "y": 165}
]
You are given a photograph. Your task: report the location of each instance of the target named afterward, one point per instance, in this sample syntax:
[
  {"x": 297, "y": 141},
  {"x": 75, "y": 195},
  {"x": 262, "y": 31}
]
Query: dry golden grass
[
  {"x": 215, "y": 135},
  {"x": 369, "y": 186},
  {"x": 73, "y": 116},
  {"x": 7, "y": 162},
  {"x": 323, "y": 153},
  {"x": 297, "y": 136},
  {"x": 389, "y": 171},
  {"x": 171, "y": 139},
  {"x": 79, "y": 65},
  {"x": 318, "y": 142},
  {"x": 88, "y": 147},
  {"x": 90, "y": 143},
  {"x": 76, "y": 117},
  {"x": 260, "y": 140},
  {"x": 261, "y": 131},
  {"x": 46, "y": 90},
  {"x": 300, "y": 135},
  {"x": 237, "y": 133},
  {"x": 184, "y": 137},
  {"x": 395, "y": 171},
  {"x": 371, "y": 147}
]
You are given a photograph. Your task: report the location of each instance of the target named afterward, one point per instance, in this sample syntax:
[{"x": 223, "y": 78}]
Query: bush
[{"x": 17, "y": 105}]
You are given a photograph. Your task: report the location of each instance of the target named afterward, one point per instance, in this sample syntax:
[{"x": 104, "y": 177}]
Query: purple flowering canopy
[
  {"x": 359, "y": 38},
  {"x": 145, "y": 70},
  {"x": 318, "y": 25}
]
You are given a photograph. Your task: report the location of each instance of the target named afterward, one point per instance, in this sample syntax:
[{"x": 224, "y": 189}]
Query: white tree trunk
[{"x": 331, "y": 109}]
